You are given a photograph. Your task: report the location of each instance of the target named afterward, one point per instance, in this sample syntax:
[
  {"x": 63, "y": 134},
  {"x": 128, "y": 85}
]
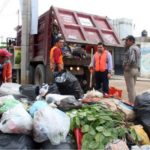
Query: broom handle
[{"x": 91, "y": 75}]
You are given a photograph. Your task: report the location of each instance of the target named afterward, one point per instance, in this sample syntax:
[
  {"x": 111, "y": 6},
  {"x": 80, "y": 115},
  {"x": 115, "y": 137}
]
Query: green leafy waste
[{"x": 99, "y": 125}]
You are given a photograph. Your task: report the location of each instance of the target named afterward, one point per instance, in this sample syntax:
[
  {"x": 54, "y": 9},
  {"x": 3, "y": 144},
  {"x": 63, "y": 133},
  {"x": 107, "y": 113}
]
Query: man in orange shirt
[
  {"x": 5, "y": 66},
  {"x": 56, "y": 56}
]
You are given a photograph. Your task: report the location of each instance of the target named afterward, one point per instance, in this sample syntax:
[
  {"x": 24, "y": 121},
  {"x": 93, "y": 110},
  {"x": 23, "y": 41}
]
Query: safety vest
[
  {"x": 100, "y": 60},
  {"x": 52, "y": 56}
]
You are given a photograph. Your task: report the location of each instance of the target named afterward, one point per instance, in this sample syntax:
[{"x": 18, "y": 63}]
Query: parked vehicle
[{"x": 79, "y": 30}]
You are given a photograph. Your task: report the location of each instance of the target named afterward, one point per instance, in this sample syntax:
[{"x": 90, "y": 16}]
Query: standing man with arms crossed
[
  {"x": 131, "y": 65},
  {"x": 56, "y": 56},
  {"x": 102, "y": 66}
]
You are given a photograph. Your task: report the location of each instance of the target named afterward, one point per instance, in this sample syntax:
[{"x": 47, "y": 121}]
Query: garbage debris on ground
[
  {"x": 63, "y": 102},
  {"x": 142, "y": 134},
  {"x": 60, "y": 109},
  {"x": 16, "y": 120},
  {"x": 117, "y": 145},
  {"x": 31, "y": 91},
  {"x": 142, "y": 110},
  {"x": 37, "y": 105},
  {"x": 7, "y": 102},
  {"x": 126, "y": 109},
  {"x": 114, "y": 92},
  {"x": 10, "y": 88},
  {"x": 92, "y": 96},
  {"x": 68, "y": 84},
  {"x": 98, "y": 124},
  {"x": 45, "y": 89},
  {"x": 16, "y": 142},
  {"x": 50, "y": 123},
  {"x": 69, "y": 144},
  {"x": 143, "y": 147}
]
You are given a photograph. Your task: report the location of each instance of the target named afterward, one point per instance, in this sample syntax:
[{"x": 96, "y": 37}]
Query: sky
[{"x": 136, "y": 10}]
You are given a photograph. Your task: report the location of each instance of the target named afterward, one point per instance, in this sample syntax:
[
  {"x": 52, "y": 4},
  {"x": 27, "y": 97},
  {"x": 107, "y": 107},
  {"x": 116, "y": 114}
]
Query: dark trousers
[{"x": 102, "y": 81}]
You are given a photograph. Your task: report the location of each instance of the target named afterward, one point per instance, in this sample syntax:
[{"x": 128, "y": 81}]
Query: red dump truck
[{"x": 77, "y": 29}]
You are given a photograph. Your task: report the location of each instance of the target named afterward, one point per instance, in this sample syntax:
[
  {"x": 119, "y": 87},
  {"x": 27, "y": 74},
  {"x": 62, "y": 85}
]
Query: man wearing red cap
[{"x": 5, "y": 66}]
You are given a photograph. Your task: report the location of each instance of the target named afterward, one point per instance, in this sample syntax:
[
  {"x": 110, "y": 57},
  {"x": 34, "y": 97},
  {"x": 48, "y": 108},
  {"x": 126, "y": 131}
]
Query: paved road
[{"x": 142, "y": 85}]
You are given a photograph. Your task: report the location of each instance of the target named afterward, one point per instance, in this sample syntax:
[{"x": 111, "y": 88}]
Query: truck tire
[
  {"x": 31, "y": 74},
  {"x": 39, "y": 75}
]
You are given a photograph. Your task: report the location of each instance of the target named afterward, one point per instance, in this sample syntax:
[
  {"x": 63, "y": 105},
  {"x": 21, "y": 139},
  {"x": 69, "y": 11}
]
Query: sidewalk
[{"x": 121, "y": 77}]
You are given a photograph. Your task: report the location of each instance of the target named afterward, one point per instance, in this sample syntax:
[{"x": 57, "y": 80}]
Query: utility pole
[
  {"x": 18, "y": 13},
  {"x": 26, "y": 19}
]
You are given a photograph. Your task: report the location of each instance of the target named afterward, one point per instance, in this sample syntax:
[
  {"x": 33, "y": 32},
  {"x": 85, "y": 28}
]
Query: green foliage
[{"x": 99, "y": 125}]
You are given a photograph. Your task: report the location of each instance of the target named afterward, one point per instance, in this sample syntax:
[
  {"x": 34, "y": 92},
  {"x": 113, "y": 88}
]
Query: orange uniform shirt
[{"x": 7, "y": 72}]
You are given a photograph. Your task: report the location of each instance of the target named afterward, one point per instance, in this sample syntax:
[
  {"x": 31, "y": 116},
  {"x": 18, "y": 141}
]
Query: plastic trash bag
[
  {"x": 7, "y": 102},
  {"x": 37, "y": 106},
  {"x": 68, "y": 84},
  {"x": 143, "y": 147},
  {"x": 93, "y": 93},
  {"x": 57, "y": 98},
  {"x": 45, "y": 89},
  {"x": 142, "y": 134},
  {"x": 50, "y": 123},
  {"x": 29, "y": 90},
  {"x": 142, "y": 110},
  {"x": 142, "y": 104},
  {"x": 10, "y": 88},
  {"x": 68, "y": 145},
  {"x": 16, "y": 142},
  {"x": 16, "y": 120},
  {"x": 63, "y": 102}
]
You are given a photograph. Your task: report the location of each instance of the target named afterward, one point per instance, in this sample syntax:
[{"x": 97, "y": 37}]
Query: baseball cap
[
  {"x": 130, "y": 37},
  {"x": 5, "y": 53}
]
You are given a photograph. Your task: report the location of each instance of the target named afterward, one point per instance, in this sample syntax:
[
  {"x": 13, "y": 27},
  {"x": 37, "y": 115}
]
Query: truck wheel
[
  {"x": 39, "y": 75},
  {"x": 31, "y": 74}
]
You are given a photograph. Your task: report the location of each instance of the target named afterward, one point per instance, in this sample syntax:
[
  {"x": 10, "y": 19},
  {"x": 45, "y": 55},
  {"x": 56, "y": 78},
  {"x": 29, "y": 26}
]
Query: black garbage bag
[
  {"x": 17, "y": 142},
  {"x": 142, "y": 103},
  {"x": 64, "y": 102},
  {"x": 79, "y": 53},
  {"x": 68, "y": 145},
  {"x": 68, "y": 84},
  {"x": 53, "y": 89},
  {"x": 29, "y": 90},
  {"x": 66, "y": 105},
  {"x": 145, "y": 121},
  {"x": 45, "y": 89},
  {"x": 142, "y": 110}
]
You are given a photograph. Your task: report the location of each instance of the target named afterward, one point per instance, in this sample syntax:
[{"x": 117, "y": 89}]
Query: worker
[
  {"x": 56, "y": 56},
  {"x": 5, "y": 66},
  {"x": 101, "y": 65},
  {"x": 131, "y": 65}
]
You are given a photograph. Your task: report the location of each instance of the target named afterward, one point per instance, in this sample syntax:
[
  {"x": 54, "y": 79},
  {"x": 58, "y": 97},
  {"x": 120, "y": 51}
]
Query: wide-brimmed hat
[{"x": 5, "y": 53}]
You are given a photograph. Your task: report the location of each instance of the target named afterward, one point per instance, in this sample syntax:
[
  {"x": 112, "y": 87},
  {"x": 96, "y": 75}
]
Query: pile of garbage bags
[
  {"x": 40, "y": 121},
  {"x": 60, "y": 116}
]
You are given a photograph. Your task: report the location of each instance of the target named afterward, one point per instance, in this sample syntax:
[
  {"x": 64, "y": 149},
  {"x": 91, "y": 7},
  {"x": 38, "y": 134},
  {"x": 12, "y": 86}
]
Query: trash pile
[{"x": 60, "y": 116}]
